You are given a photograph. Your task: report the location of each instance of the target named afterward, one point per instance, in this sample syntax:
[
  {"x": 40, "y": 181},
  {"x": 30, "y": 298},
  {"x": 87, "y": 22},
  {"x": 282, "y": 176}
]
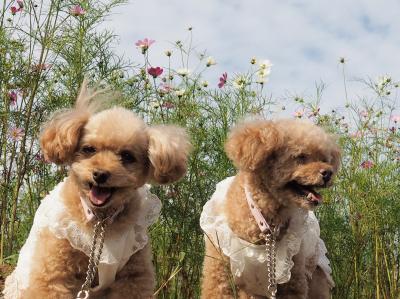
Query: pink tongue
[
  {"x": 314, "y": 197},
  {"x": 98, "y": 195}
]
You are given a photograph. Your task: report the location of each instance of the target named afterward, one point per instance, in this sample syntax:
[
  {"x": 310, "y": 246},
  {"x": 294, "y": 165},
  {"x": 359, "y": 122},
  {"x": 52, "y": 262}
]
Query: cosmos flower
[
  {"x": 210, "y": 61},
  {"x": 222, "y": 80},
  {"x": 40, "y": 67},
  {"x": 15, "y": 133},
  {"x": 367, "y": 164},
  {"x": 395, "y": 118},
  {"x": 12, "y": 95},
  {"x": 180, "y": 92},
  {"x": 155, "y": 71},
  {"x": 299, "y": 113},
  {"x": 240, "y": 82},
  {"x": 266, "y": 65},
  {"x": 144, "y": 44},
  {"x": 165, "y": 88},
  {"x": 14, "y": 10},
  {"x": 356, "y": 134},
  {"x": 183, "y": 72},
  {"x": 77, "y": 11},
  {"x": 168, "y": 105}
]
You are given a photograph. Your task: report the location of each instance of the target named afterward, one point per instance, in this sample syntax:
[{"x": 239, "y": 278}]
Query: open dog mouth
[
  {"x": 307, "y": 191},
  {"x": 100, "y": 196}
]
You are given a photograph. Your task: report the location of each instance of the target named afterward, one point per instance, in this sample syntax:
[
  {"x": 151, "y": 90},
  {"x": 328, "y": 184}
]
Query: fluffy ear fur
[
  {"x": 251, "y": 143},
  {"x": 60, "y": 136},
  {"x": 169, "y": 147}
]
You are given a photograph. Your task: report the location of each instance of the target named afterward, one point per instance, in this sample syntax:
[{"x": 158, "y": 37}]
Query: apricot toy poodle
[
  {"x": 111, "y": 155},
  {"x": 262, "y": 237}
]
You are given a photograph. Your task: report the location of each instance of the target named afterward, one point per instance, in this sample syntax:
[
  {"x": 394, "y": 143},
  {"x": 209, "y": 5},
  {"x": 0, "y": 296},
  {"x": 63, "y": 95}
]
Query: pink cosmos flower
[
  {"x": 356, "y": 134},
  {"x": 222, "y": 80},
  {"x": 40, "y": 67},
  {"x": 298, "y": 113},
  {"x": 144, "y": 44},
  {"x": 12, "y": 95},
  {"x": 16, "y": 133},
  {"x": 367, "y": 164},
  {"x": 155, "y": 71},
  {"x": 77, "y": 11},
  {"x": 165, "y": 88},
  {"x": 395, "y": 118},
  {"x": 167, "y": 105}
]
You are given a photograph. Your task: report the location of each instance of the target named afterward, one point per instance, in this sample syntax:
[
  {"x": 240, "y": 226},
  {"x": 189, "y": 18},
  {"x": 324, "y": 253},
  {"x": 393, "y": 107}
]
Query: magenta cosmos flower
[
  {"x": 155, "y": 71},
  {"x": 367, "y": 164},
  {"x": 77, "y": 11},
  {"x": 222, "y": 80},
  {"x": 16, "y": 133},
  {"x": 144, "y": 44},
  {"x": 14, "y": 10},
  {"x": 12, "y": 95}
]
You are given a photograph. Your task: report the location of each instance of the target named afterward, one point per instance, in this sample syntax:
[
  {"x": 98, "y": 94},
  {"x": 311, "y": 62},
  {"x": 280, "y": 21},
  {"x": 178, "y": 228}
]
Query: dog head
[
  {"x": 292, "y": 159},
  {"x": 113, "y": 152}
]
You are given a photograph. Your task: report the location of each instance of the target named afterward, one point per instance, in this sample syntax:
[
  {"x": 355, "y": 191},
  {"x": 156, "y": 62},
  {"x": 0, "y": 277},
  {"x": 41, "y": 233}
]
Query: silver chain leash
[
  {"x": 270, "y": 247},
  {"x": 94, "y": 258}
]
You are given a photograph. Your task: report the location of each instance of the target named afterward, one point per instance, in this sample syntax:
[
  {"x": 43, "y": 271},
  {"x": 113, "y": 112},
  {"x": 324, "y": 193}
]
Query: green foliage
[{"x": 46, "y": 50}]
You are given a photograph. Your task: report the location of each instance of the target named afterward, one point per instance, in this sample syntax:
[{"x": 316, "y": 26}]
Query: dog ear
[
  {"x": 169, "y": 147},
  {"x": 60, "y": 136},
  {"x": 251, "y": 143}
]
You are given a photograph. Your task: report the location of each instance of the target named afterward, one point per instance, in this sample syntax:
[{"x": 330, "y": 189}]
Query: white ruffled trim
[
  {"x": 117, "y": 250},
  {"x": 248, "y": 261}
]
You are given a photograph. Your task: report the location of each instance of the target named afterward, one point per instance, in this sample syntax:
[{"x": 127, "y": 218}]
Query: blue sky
[{"x": 303, "y": 39}]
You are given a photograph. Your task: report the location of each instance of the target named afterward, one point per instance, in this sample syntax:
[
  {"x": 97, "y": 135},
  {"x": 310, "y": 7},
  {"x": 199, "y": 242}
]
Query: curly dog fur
[
  {"x": 116, "y": 142},
  {"x": 270, "y": 156}
]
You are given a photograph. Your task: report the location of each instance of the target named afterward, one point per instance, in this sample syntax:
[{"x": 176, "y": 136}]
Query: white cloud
[{"x": 303, "y": 39}]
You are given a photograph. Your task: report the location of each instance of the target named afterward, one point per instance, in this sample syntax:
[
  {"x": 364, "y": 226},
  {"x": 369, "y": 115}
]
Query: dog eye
[
  {"x": 302, "y": 158},
  {"x": 127, "y": 157},
  {"x": 87, "y": 149}
]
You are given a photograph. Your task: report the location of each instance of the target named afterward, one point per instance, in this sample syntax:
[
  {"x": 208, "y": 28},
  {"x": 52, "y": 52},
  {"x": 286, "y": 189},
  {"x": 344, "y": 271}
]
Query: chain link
[
  {"x": 270, "y": 248},
  {"x": 94, "y": 257}
]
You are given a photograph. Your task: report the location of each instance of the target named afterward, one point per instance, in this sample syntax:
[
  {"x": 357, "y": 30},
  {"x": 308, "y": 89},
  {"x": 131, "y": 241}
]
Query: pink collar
[
  {"x": 89, "y": 214},
  {"x": 256, "y": 211}
]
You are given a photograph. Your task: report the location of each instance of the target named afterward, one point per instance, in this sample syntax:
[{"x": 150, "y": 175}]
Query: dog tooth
[{"x": 310, "y": 196}]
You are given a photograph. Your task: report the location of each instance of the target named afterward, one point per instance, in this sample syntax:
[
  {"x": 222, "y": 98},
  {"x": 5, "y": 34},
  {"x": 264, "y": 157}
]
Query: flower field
[{"x": 48, "y": 47}]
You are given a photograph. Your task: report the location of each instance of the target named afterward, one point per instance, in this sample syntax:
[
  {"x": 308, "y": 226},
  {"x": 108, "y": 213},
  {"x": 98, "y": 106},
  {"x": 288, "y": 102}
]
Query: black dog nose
[
  {"x": 326, "y": 175},
  {"x": 100, "y": 176}
]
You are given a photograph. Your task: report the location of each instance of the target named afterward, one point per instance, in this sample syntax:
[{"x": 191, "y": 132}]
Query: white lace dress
[
  {"x": 248, "y": 261},
  {"x": 117, "y": 249}
]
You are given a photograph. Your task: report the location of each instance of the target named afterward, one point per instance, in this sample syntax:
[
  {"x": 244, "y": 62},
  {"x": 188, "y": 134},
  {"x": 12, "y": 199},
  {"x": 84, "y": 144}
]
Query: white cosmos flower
[
  {"x": 180, "y": 92},
  {"x": 239, "y": 82},
  {"x": 183, "y": 72},
  {"x": 266, "y": 65},
  {"x": 263, "y": 73},
  {"x": 210, "y": 61},
  {"x": 155, "y": 104}
]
